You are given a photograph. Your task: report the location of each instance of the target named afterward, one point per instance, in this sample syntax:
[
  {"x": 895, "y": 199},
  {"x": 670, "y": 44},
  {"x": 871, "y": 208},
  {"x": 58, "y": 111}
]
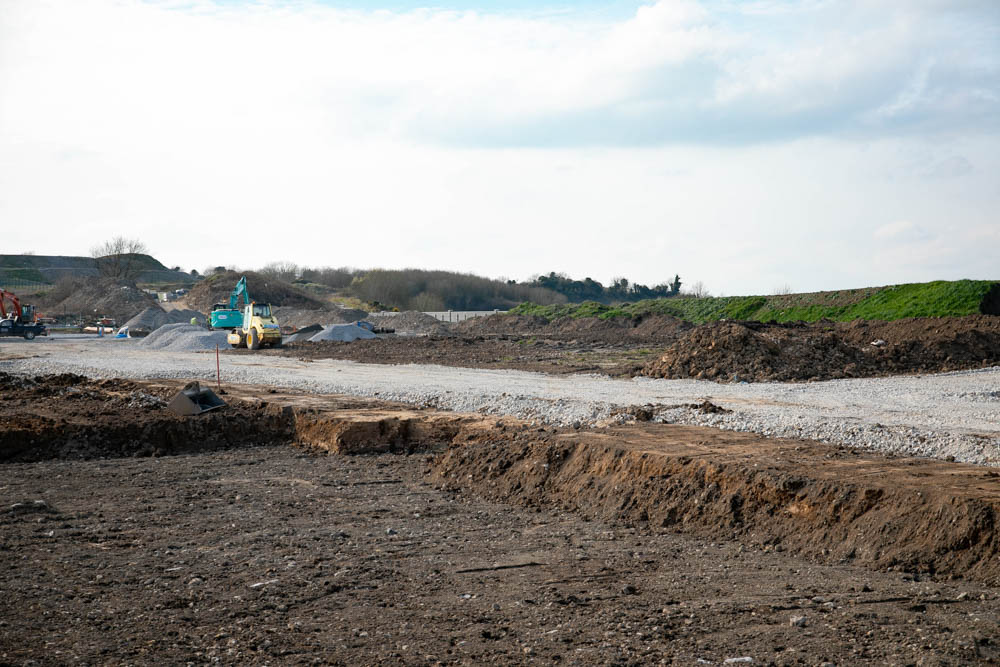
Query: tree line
[
  {"x": 619, "y": 290},
  {"x": 411, "y": 289},
  {"x": 419, "y": 289}
]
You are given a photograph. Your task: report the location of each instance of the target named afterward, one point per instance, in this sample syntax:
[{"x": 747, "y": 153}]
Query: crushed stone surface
[{"x": 948, "y": 415}]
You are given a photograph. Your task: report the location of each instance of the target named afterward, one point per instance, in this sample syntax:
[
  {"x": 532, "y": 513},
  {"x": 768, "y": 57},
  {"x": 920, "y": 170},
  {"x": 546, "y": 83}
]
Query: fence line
[
  {"x": 20, "y": 286},
  {"x": 448, "y": 315}
]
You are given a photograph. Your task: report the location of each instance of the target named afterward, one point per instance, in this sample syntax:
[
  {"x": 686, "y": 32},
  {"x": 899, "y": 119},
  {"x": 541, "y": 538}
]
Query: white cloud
[{"x": 731, "y": 143}]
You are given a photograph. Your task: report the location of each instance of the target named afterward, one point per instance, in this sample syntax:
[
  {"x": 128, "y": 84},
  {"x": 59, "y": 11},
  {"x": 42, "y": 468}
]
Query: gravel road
[{"x": 943, "y": 416}]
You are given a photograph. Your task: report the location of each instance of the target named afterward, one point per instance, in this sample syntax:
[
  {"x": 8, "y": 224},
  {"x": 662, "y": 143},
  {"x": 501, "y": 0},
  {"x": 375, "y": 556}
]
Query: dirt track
[{"x": 277, "y": 553}]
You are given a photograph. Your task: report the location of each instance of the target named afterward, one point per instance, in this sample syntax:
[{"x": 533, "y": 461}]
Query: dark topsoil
[
  {"x": 243, "y": 550},
  {"x": 665, "y": 347}
]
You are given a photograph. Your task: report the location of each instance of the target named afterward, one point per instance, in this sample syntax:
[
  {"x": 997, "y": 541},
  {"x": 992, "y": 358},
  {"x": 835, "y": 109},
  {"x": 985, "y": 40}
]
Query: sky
[{"x": 752, "y": 147}]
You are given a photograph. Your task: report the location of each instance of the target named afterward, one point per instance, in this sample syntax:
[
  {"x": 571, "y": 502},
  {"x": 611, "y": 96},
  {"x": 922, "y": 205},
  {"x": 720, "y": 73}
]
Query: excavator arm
[
  {"x": 241, "y": 288},
  {"x": 15, "y": 313}
]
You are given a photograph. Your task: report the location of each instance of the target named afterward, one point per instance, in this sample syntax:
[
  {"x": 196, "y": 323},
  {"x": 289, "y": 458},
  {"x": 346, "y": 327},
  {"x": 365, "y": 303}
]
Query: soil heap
[
  {"x": 648, "y": 328},
  {"x": 410, "y": 322},
  {"x": 758, "y": 352},
  {"x": 217, "y": 288},
  {"x": 290, "y": 316},
  {"x": 91, "y": 298}
]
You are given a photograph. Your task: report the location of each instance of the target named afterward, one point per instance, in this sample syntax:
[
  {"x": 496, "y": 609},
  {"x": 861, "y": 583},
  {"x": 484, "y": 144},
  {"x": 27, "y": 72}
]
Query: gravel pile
[
  {"x": 155, "y": 317},
  {"x": 303, "y": 334},
  {"x": 342, "y": 332},
  {"x": 945, "y": 415},
  {"x": 184, "y": 338}
]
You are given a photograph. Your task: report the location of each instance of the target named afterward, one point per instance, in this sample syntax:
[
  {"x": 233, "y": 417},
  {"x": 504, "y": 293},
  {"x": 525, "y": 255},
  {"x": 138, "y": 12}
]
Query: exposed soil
[
  {"x": 632, "y": 545},
  {"x": 69, "y": 416},
  {"x": 664, "y": 347},
  {"x": 757, "y": 352},
  {"x": 297, "y": 318},
  {"x": 91, "y": 298},
  {"x": 217, "y": 289},
  {"x": 833, "y": 505},
  {"x": 641, "y": 330},
  {"x": 543, "y": 355}
]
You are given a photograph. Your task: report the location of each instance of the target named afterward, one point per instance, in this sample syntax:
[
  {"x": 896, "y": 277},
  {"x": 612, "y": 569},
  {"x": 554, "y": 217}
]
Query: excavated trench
[{"x": 828, "y": 504}]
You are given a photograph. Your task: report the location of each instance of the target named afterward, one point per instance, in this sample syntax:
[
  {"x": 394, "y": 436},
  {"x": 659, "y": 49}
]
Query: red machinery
[
  {"x": 19, "y": 313},
  {"x": 20, "y": 320}
]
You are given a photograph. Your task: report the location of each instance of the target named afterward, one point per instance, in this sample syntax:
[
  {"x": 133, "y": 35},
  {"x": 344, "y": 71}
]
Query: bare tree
[
  {"x": 783, "y": 290},
  {"x": 698, "y": 290},
  {"x": 119, "y": 258},
  {"x": 287, "y": 271}
]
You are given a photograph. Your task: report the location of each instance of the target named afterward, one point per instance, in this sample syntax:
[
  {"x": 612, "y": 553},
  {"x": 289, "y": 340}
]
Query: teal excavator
[{"x": 231, "y": 317}]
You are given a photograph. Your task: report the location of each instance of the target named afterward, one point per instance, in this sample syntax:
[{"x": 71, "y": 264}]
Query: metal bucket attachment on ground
[{"x": 194, "y": 400}]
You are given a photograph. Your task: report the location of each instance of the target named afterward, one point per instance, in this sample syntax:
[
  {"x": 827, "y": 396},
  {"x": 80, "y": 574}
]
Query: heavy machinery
[
  {"x": 20, "y": 319},
  {"x": 223, "y": 317},
  {"x": 259, "y": 328}
]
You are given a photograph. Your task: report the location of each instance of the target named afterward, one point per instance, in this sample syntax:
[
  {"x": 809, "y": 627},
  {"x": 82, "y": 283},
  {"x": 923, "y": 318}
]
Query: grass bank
[{"x": 940, "y": 298}]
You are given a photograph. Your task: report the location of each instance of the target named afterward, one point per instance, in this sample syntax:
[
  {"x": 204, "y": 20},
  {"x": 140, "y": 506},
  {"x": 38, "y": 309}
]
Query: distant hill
[
  {"x": 217, "y": 288},
  {"x": 935, "y": 299},
  {"x": 51, "y": 269}
]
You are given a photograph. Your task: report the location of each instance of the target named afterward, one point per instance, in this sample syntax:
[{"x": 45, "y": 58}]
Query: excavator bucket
[{"x": 194, "y": 400}]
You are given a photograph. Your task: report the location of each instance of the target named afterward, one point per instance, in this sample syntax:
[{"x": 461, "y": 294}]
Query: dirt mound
[
  {"x": 72, "y": 417},
  {"x": 289, "y": 316},
  {"x": 501, "y": 324},
  {"x": 757, "y": 352},
  {"x": 810, "y": 499},
  {"x": 649, "y": 328},
  {"x": 102, "y": 297},
  {"x": 217, "y": 288},
  {"x": 410, "y": 321}
]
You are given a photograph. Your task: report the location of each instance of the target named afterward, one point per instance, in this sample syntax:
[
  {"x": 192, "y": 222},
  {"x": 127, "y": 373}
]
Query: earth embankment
[{"x": 822, "y": 502}]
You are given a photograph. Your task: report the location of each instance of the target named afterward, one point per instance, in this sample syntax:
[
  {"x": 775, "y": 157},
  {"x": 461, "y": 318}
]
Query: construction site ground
[
  {"x": 664, "y": 347},
  {"x": 295, "y": 527},
  {"x": 524, "y": 353}
]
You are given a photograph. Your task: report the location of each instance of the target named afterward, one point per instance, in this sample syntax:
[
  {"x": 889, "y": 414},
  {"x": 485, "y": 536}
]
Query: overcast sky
[{"x": 750, "y": 146}]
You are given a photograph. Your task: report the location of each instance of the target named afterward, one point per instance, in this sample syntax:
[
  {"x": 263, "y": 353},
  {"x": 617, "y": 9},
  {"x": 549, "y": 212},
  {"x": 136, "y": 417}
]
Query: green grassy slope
[{"x": 935, "y": 299}]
